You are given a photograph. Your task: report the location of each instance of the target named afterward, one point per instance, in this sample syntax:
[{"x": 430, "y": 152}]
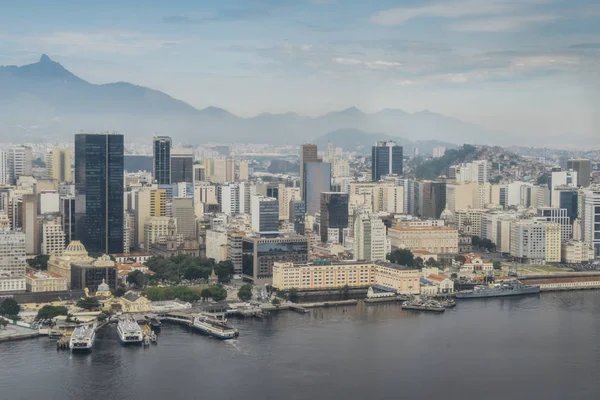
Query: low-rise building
[
  {"x": 439, "y": 240},
  {"x": 475, "y": 264},
  {"x": 45, "y": 281},
  {"x": 336, "y": 275},
  {"x": 130, "y": 302},
  {"x": 577, "y": 252}
]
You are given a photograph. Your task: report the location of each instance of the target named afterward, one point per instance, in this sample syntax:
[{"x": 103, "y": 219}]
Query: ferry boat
[
  {"x": 515, "y": 288},
  {"x": 424, "y": 305},
  {"x": 214, "y": 327},
  {"x": 82, "y": 338},
  {"x": 129, "y": 331}
]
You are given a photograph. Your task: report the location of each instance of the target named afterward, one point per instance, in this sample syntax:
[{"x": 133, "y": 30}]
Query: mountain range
[{"x": 44, "y": 101}]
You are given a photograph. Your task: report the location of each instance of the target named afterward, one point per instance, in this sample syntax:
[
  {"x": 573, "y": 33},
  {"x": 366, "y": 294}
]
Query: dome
[
  {"x": 447, "y": 215},
  {"x": 103, "y": 287},
  {"x": 75, "y": 248}
]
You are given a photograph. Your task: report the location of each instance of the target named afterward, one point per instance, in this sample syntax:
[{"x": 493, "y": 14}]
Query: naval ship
[{"x": 515, "y": 288}]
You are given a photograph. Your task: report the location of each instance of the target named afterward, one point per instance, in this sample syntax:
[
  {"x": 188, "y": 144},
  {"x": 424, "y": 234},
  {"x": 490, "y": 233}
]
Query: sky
[{"x": 530, "y": 67}]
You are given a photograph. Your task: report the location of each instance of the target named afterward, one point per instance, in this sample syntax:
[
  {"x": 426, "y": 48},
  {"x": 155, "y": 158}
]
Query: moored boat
[
  {"x": 82, "y": 338},
  {"x": 214, "y": 327},
  {"x": 424, "y": 305},
  {"x": 515, "y": 288},
  {"x": 129, "y": 331}
]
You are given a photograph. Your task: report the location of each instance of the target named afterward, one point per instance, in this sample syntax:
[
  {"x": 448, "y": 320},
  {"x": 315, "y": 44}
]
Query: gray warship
[{"x": 515, "y": 288}]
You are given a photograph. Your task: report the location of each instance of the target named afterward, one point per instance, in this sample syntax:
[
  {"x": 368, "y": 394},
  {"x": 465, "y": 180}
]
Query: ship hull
[
  {"x": 505, "y": 293},
  {"x": 209, "y": 330},
  {"x": 424, "y": 308}
]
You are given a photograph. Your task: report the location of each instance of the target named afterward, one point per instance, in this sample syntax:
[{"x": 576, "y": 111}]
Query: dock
[{"x": 389, "y": 299}]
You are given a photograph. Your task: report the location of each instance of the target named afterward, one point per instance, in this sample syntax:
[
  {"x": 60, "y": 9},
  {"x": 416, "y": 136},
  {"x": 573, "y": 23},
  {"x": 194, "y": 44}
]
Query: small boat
[
  {"x": 154, "y": 323},
  {"x": 214, "y": 327},
  {"x": 448, "y": 303},
  {"x": 82, "y": 338},
  {"x": 424, "y": 305}
]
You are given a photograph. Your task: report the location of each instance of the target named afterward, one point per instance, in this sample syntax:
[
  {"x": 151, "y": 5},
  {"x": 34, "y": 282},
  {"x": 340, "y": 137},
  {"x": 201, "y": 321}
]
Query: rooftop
[{"x": 43, "y": 275}]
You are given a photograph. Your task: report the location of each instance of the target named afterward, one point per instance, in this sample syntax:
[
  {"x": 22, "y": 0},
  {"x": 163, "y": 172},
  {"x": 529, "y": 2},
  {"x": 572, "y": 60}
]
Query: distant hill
[
  {"x": 44, "y": 101},
  {"x": 360, "y": 141}
]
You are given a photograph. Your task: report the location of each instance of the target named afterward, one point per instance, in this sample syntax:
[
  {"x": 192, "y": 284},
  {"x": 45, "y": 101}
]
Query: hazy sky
[{"x": 528, "y": 66}]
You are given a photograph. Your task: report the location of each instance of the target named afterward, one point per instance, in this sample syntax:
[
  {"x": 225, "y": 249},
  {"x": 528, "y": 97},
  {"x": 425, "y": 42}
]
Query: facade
[
  {"x": 12, "y": 261},
  {"x": 183, "y": 212},
  {"x": 30, "y": 223},
  {"x": 265, "y": 214},
  {"x": 432, "y": 199},
  {"x": 576, "y": 252},
  {"x": 161, "y": 162},
  {"x": 370, "y": 240},
  {"x": 216, "y": 245},
  {"x": 559, "y": 216},
  {"x": 334, "y": 216},
  {"x": 99, "y": 205},
  {"x": 92, "y": 274},
  {"x": 4, "y": 178},
  {"x": 231, "y": 199},
  {"x": 182, "y": 165},
  {"x": 297, "y": 216},
  {"x": 591, "y": 220},
  {"x": 354, "y": 274},
  {"x": 261, "y": 252},
  {"x": 235, "y": 250},
  {"x": 148, "y": 203},
  {"x": 19, "y": 162},
  {"x": 75, "y": 252},
  {"x": 53, "y": 238},
  {"x": 157, "y": 229},
  {"x": 474, "y": 264},
  {"x": 243, "y": 172},
  {"x": 583, "y": 169},
  {"x": 317, "y": 179},
  {"x": 468, "y": 221},
  {"x": 308, "y": 153},
  {"x": 200, "y": 173},
  {"x": 476, "y": 171},
  {"x": 59, "y": 165},
  {"x": 386, "y": 159},
  {"x": 286, "y": 195},
  {"x": 438, "y": 240},
  {"x": 528, "y": 241},
  {"x": 45, "y": 281}
]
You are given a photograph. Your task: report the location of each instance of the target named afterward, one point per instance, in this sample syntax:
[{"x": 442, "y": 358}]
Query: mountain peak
[{"x": 45, "y": 59}]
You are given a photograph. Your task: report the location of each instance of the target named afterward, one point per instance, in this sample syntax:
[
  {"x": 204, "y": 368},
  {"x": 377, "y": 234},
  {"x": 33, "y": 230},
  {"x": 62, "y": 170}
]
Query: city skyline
[{"x": 481, "y": 61}]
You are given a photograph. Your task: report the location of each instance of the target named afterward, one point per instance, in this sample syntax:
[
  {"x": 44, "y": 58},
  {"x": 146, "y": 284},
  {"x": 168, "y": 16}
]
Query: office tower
[
  {"x": 259, "y": 253},
  {"x": 265, "y": 214},
  {"x": 12, "y": 261},
  {"x": 568, "y": 199},
  {"x": 308, "y": 153},
  {"x": 182, "y": 165},
  {"x": 29, "y": 213},
  {"x": 222, "y": 170},
  {"x": 230, "y": 199},
  {"x": 583, "y": 169},
  {"x": 475, "y": 171},
  {"x": 148, "y": 203},
  {"x": 243, "y": 171},
  {"x": 19, "y": 159},
  {"x": 4, "y": 178},
  {"x": 67, "y": 211},
  {"x": 297, "y": 216},
  {"x": 559, "y": 216},
  {"x": 528, "y": 241},
  {"x": 317, "y": 178},
  {"x": 59, "y": 165},
  {"x": 334, "y": 216},
  {"x": 386, "y": 160},
  {"x": 161, "y": 163},
  {"x": 433, "y": 199},
  {"x": 286, "y": 195},
  {"x": 183, "y": 212},
  {"x": 370, "y": 241},
  {"x": 200, "y": 173},
  {"x": 48, "y": 202},
  {"x": 53, "y": 238},
  {"x": 561, "y": 179},
  {"x": 235, "y": 250},
  {"x": 99, "y": 202},
  {"x": 591, "y": 220}
]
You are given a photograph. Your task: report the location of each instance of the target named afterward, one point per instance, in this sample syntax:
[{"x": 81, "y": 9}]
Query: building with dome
[
  {"x": 94, "y": 274},
  {"x": 61, "y": 265}
]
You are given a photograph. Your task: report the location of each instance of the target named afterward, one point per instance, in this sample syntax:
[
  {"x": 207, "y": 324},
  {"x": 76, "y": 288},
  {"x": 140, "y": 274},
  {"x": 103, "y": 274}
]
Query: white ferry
[
  {"x": 129, "y": 331},
  {"x": 83, "y": 338},
  {"x": 214, "y": 327}
]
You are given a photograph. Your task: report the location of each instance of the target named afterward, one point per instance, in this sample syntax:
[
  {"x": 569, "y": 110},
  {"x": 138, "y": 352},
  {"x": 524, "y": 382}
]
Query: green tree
[
  {"x": 88, "y": 303},
  {"x": 10, "y": 308},
  {"x": 49, "y": 312},
  {"x": 224, "y": 270},
  {"x": 206, "y": 294},
  {"x": 218, "y": 293},
  {"x": 39, "y": 262},
  {"x": 137, "y": 278},
  {"x": 119, "y": 291},
  {"x": 460, "y": 258},
  {"x": 497, "y": 264},
  {"x": 432, "y": 262},
  {"x": 245, "y": 292},
  {"x": 293, "y": 295},
  {"x": 401, "y": 257}
]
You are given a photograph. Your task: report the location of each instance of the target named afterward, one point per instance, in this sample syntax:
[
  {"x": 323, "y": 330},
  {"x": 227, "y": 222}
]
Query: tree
[
  {"x": 276, "y": 302},
  {"x": 224, "y": 270},
  {"x": 432, "y": 262},
  {"x": 245, "y": 292},
  {"x": 460, "y": 258},
  {"x": 454, "y": 275},
  {"x": 401, "y": 257},
  {"x": 137, "y": 278},
  {"x": 293, "y": 295},
  {"x": 49, "y": 312},
  {"x": 497, "y": 265},
  {"x": 88, "y": 303},
  {"x": 206, "y": 294},
  {"x": 218, "y": 293},
  {"x": 119, "y": 291},
  {"x": 39, "y": 262},
  {"x": 475, "y": 241},
  {"x": 10, "y": 308}
]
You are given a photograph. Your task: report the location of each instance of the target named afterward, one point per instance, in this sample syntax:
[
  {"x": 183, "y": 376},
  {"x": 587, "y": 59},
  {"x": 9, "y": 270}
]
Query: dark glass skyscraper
[
  {"x": 317, "y": 178},
  {"x": 99, "y": 191},
  {"x": 584, "y": 171},
  {"x": 434, "y": 199},
  {"x": 182, "y": 165},
  {"x": 161, "y": 163},
  {"x": 386, "y": 159},
  {"x": 334, "y": 214}
]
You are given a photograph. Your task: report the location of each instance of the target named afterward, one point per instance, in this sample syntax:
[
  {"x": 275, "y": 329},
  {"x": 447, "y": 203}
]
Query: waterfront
[{"x": 542, "y": 346}]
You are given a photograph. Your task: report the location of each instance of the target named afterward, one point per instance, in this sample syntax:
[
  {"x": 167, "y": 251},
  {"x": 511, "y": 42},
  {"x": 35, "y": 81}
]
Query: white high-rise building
[
  {"x": 19, "y": 160},
  {"x": 561, "y": 179},
  {"x": 12, "y": 261},
  {"x": 53, "y": 238},
  {"x": 230, "y": 199},
  {"x": 4, "y": 178},
  {"x": 265, "y": 214},
  {"x": 287, "y": 194},
  {"x": 591, "y": 220},
  {"x": 475, "y": 171},
  {"x": 370, "y": 241}
]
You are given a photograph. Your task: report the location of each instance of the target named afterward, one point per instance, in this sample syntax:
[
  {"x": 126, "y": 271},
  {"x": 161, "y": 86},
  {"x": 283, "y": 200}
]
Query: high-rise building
[
  {"x": 308, "y": 154},
  {"x": 67, "y": 211},
  {"x": 370, "y": 240},
  {"x": 148, "y": 203},
  {"x": 234, "y": 250},
  {"x": 4, "y": 178},
  {"x": 200, "y": 173},
  {"x": 265, "y": 214},
  {"x": 58, "y": 165},
  {"x": 386, "y": 159},
  {"x": 433, "y": 199},
  {"x": 297, "y": 216},
  {"x": 583, "y": 169},
  {"x": 528, "y": 241},
  {"x": 286, "y": 195},
  {"x": 183, "y": 212},
  {"x": 259, "y": 253},
  {"x": 223, "y": 170},
  {"x": 591, "y": 220},
  {"x": 182, "y": 165},
  {"x": 29, "y": 213},
  {"x": 560, "y": 180},
  {"x": 19, "y": 162},
  {"x": 99, "y": 205},
  {"x": 559, "y": 216},
  {"x": 568, "y": 199},
  {"x": 53, "y": 238},
  {"x": 156, "y": 229},
  {"x": 243, "y": 171},
  {"x": 230, "y": 199},
  {"x": 161, "y": 163},
  {"x": 12, "y": 261},
  {"x": 317, "y": 178},
  {"x": 334, "y": 216}
]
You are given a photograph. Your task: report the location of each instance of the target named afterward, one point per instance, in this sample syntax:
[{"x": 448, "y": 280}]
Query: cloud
[
  {"x": 180, "y": 20},
  {"x": 377, "y": 64},
  {"x": 502, "y": 24}
]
